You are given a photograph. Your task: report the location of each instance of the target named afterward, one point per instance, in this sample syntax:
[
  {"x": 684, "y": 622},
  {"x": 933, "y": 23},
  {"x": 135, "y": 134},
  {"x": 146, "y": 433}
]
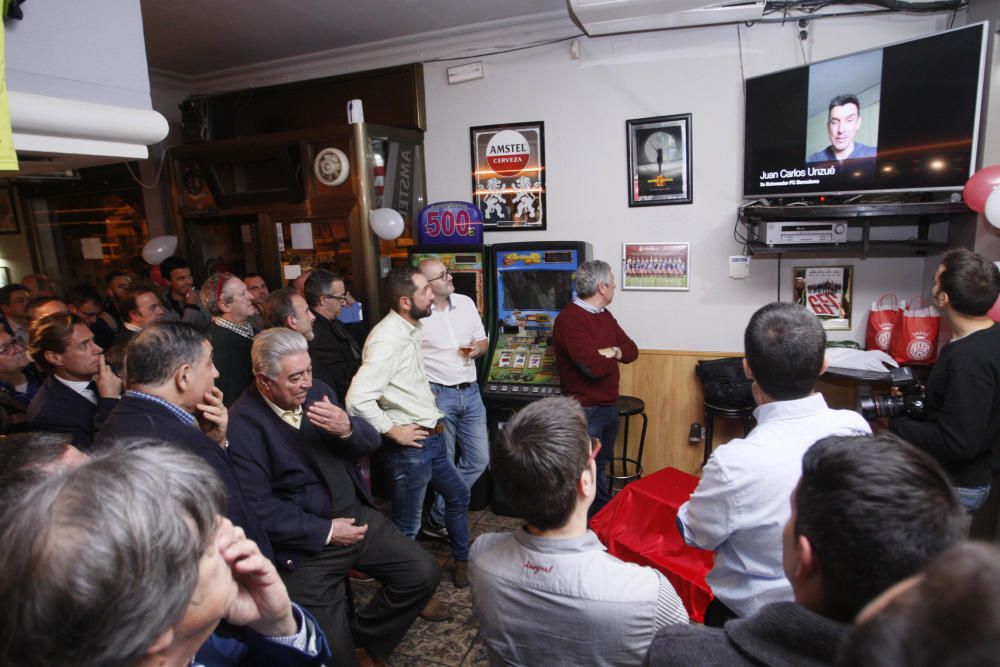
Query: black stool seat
[
  {"x": 631, "y": 469},
  {"x": 743, "y": 413}
]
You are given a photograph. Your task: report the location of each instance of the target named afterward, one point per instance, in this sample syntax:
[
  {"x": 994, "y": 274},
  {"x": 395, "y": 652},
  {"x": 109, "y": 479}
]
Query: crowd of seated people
[{"x": 209, "y": 443}]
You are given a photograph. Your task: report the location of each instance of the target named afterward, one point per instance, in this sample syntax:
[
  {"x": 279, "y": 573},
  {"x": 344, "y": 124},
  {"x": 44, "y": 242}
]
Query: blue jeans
[
  {"x": 410, "y": 469},
  {"x": 972, "y": 498},
  {"x": 464, "y": 421},
  {"x": 602, "y": 423}
]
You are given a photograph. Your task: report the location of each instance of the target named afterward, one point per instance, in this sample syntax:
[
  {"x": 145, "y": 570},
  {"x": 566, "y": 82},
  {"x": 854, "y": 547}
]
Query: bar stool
[
  {"x": 744, "y": 413},
  {"x": 627, "y": 407}
]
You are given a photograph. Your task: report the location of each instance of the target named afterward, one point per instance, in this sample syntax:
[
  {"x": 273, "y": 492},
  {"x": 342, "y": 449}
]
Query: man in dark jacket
[
  {"x": 868, "y": 513},
  {"x": 335, "y": 354},
  {"x": 81, "y": 389},
  {"x": 226, "y": 297},
  {"x": 294, "y": 449},
  {"x": 171, "y": 396}
]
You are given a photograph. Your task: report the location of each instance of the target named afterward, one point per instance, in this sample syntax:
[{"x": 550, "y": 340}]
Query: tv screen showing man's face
[{"x": 843, "y": 124}]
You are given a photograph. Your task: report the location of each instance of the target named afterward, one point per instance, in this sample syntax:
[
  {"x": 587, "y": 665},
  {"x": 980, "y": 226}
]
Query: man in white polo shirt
[{"x": 451, "y": 338}]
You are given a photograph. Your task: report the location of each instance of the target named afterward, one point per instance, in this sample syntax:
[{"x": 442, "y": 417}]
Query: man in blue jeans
[
  {"x": 391, "y": 392},
  {"x": 589, "y": 345},
  {"x": 451, "y": 338}
]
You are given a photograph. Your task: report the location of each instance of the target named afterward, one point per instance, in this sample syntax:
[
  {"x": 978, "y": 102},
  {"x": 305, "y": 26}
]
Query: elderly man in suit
[
  {"x": 81, "y": 389},
  {"x": 171, "y": 394},
  {"x": 294, "y": 449}
]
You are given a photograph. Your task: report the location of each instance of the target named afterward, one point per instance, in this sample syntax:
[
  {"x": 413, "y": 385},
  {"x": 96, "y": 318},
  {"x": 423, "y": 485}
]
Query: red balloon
[
  {"x": 995, "y": 311},
  {"x": 978, "y": 188}
]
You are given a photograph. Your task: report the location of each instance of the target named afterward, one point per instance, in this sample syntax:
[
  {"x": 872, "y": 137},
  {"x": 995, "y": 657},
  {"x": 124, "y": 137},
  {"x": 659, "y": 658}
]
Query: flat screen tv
[{"x": 899, "y": 118}]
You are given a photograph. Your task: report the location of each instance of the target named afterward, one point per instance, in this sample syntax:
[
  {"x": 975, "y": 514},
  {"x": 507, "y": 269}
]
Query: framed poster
[
  {"x": 8, "y": 216},
  {"x": 508, "y": 175},
  {"x": 825, "y": 291},
  {"x": 659, "y": 160},
  {"x": 656, "y": 266}
]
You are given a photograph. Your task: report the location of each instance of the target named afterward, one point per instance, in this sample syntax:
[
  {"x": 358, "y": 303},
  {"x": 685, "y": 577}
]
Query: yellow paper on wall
[{"x": 8, "y": 157}]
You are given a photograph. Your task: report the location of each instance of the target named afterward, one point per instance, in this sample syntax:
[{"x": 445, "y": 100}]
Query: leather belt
[
  {"x": 460, "y": 386},
  {"x": 438, "y": 428}
]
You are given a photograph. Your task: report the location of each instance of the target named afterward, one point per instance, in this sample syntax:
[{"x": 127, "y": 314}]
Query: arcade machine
[{"x": 532, "y": 282}]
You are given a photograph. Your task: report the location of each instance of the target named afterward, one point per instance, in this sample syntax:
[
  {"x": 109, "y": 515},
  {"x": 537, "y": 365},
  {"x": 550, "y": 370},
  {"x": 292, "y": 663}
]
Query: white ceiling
[{"x": 196, "y": 37}]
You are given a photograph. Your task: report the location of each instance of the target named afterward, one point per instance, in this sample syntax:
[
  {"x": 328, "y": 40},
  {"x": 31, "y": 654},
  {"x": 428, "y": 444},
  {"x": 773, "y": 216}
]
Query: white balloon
[
  {"x": 158, "y": 249},
  {"x": 992, "y": 209},
  {"x": 387, "y": 223}
]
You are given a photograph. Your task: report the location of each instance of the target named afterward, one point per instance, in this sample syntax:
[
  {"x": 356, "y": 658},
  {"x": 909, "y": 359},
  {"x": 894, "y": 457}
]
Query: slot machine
[{"x": 531, "y": 283}]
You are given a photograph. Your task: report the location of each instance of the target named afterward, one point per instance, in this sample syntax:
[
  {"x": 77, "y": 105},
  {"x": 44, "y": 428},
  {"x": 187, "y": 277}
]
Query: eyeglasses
[
  {"x": 444, "y": 276},
  {"x": 12, "y": 347},
  {"x": 342, "y": 298},
  {"x": 595, "y": 449}
]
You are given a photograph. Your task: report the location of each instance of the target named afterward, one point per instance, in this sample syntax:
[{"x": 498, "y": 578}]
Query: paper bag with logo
[
  {"x": 915, "y": 336},
  {"x": 881, "y": 320}
]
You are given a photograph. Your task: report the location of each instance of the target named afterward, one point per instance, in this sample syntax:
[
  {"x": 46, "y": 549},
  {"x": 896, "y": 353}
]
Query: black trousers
[{"x": 409, "y": 577}]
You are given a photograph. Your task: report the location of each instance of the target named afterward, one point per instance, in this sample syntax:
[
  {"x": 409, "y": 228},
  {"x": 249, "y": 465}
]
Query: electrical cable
[
  {"x": 159, "y": 171},
  {"x": 502, "y": 51}
]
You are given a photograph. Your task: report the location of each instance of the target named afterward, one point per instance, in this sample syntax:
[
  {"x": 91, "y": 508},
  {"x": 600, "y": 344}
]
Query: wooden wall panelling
[{"x": 666, "y": 381}]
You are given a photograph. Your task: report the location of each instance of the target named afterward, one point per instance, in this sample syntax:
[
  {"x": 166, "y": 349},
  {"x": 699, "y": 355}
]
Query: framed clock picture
[{"x": 659, "y": 160}]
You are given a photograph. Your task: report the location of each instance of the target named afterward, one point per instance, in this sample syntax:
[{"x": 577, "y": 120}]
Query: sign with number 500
[{"x": 449, "y": 222}]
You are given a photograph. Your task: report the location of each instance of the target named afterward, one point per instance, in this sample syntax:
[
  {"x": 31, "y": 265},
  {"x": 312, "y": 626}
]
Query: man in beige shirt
[{"x": 391, "y": 392}]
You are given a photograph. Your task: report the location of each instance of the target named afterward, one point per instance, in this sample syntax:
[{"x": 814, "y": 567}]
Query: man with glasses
[
  {"x": 553, "y": 579},
  {"x": 335, "y": 354},
  {"x": 451, "y": 338},
  {"x": 14, "y": 300},
  {"x": 19, "y": 382}
]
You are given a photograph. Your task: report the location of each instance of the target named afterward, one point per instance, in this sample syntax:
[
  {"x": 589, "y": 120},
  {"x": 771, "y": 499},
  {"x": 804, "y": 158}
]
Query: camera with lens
[{"x": 911, "y": 402}]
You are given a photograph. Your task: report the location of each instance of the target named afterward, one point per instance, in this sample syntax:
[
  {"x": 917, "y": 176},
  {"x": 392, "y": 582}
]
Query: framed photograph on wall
[
  {"x": 659, "y": 160},
  {"x": 656, "y": 266},
  {"x": 508, "y": 175},
  {"x": 825, "y": 291},
  {"x": 8, "y": 215}
]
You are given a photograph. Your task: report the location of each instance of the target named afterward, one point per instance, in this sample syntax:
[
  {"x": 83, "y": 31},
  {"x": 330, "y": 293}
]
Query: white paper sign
[
  {"x": 302, "y": 235},
  {"x": 292, "y": 271},
  {"x": 92, "y": 248},
  {"x": 281, "y": 236}
]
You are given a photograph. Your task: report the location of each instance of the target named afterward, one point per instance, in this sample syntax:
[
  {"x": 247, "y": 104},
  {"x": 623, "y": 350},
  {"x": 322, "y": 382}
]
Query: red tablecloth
[{"x": 639, "y": 525}]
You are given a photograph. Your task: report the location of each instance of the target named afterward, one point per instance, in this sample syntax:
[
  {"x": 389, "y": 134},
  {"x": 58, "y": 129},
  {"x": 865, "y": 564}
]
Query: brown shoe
[
  {"x": 436, "y": 611},
  {"x": 366, "y": 659},
  {"x": 460, "y": 577}
]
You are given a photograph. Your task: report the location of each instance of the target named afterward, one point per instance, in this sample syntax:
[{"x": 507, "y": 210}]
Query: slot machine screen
[{"x": 537, "y": 290}]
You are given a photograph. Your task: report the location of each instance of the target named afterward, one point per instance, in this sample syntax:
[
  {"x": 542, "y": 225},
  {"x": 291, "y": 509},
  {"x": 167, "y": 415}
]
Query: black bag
[{"x": 724, "y": 383}]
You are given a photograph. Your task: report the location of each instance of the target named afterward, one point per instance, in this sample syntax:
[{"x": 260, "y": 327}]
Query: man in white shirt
[
  {"x": 81, "y": 390},
  {"x": 391, "y": 392},
  {"x": 740, "y": 505},
  {"x": 549, "y": 593},
  {"x": 451, "y": 338}
]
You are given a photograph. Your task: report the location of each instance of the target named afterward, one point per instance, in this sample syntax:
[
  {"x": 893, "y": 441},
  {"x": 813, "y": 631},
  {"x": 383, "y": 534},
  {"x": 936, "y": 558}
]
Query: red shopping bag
[
  {"x": 915, "y": 336},
  {"x": 881, "y": 320}
]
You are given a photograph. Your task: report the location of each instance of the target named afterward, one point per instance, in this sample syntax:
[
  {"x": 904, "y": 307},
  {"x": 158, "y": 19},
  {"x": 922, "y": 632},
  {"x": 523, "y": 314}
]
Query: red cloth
[
  {"x": 583, "y": 373},
  {"x": 639, "y": 525}
]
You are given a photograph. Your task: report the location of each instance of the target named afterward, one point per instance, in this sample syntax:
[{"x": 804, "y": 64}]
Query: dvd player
[{"x": 790, "y": 233}]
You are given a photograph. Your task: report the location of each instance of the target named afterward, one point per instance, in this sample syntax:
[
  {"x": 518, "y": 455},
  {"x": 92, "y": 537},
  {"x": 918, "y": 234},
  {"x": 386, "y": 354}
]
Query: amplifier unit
[{"x": 790, "y": 233}]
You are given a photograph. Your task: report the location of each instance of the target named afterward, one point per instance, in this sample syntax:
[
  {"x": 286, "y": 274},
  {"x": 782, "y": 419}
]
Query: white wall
[{"x": 584, "y": 104}]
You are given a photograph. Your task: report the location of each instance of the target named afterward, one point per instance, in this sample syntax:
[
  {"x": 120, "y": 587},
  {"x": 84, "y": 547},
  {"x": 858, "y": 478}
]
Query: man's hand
[
  {"x": 191, "y": 298},
  {"x": 345, "y": 533},
  {"x": 213, "y": 418},
  {"x": 330, "y": 418},
  {"x": 610, "y": 352},
  {"x": 408, "y": 436},
  {"x": 108, "y": 384},
  {"x": 262, "y": 600}
]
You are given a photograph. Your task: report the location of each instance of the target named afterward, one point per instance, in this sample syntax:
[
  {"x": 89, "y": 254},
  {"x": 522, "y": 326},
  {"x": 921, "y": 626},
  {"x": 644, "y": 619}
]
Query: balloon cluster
[{"x": 982, "y": 193}]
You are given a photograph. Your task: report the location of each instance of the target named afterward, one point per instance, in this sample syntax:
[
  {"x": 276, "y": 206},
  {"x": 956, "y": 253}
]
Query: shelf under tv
[{"x": 897, "y": 229}]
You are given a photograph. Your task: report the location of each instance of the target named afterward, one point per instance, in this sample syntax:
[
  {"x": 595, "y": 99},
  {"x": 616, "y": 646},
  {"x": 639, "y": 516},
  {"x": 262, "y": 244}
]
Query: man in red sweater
[{"x": 589, "y": 345}]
